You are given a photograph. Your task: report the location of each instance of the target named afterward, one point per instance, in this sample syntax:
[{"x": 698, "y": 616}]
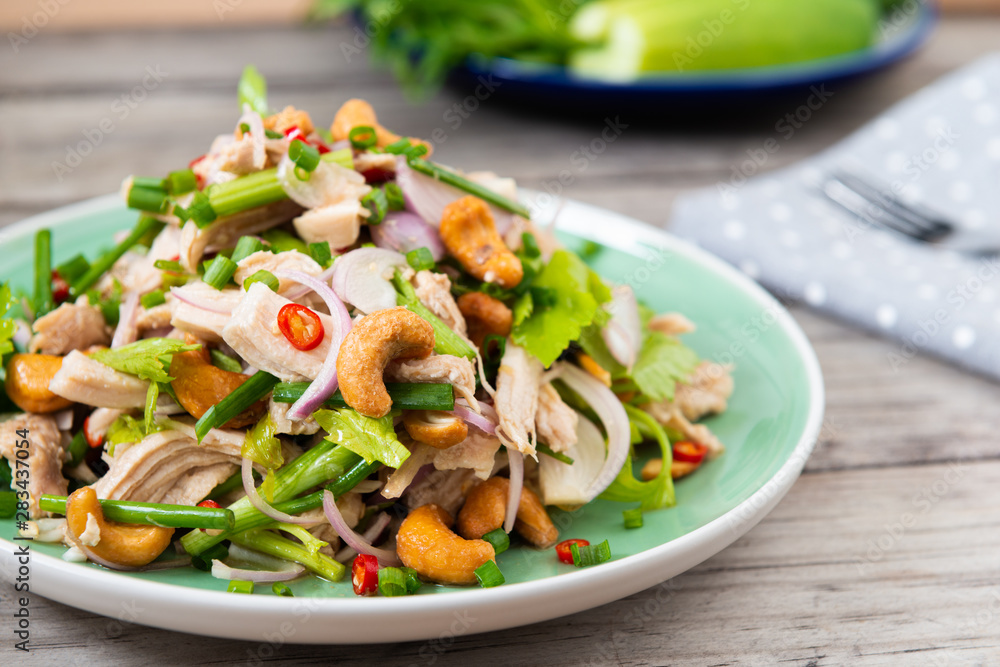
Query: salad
[{"x": 319, "y": 350}]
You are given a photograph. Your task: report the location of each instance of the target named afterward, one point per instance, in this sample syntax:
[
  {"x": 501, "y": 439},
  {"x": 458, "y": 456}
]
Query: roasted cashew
[
  {"x": 378, "y": 338},
  {"x": 471, "y": 237},
  {"x": 199, "y": 385},
  {"x": 426, "y": 543},
  {"x": 126, "y": 544},
  {"x": 486, "y": 507},
  {"x": 436, "y": 428},
  {"x": 484, "y": 316},
  {"x": 27, "y": 382},
  {"x": 678, "y": 469},
  {"x": 357, "y": 113},
  {"x": 286, "y": 119}
]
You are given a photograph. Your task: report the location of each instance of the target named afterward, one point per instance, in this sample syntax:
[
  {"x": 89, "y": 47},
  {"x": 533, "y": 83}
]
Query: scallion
[
  {"x": 246, "y": 246},
  {"x": 304, "y": 156},
  {"x": 499, "y": 539},
  {"x": 279, "y": 588},
  {"x": 152, "y": 514},
  {"x": 73, "y": 268},
  {"x": 320, "y": 252},
  {"x": 362, "y": 137},
  {"x": 107, "y": 260},
  {"x": 225, "y": 362},
  {"x": 413, "y": 582},
  {"x": 181, "y": 181},
  {"x": 237, "y": 586},
  {"x": 377, "y": 205},
  {"x": 451, "y": 178},
  {"x": 219, "y": 272},
  {"x": 149, "y": 183},
  {"x": 595, "y": 554},
  {"x": 633, "y": 518},
  {"x": 530, "y": 246},
  {"x": 239, "y": 400},
  {"x": 153, "y": 299},
  {"x": 8, "y": 504},
  {"x": 392, "y": 582},
  {"x": 282, "y": 241},
  {"x": 420, "y": 259},
  {"x": 201, "y": 211},
  {"x": 262, "y": 276},
  {"x": 489, "y": 575},
  {"x": 43, "y": 272},
  {"x": 203, "y": 561},
  {"x": 542, "y": 448},
  {"x": 168, "y": 265},
  {"x": 273, "y": 544},
  {"x": 77, "y": 449},
  {"x": 147, "y": 199},
  {"x": 446, "y": 341},
  {"x": 404, "y": 395},
  {"x": 394, "y": 195},
  {"x": 271, "y": 134},
  {"x": 246, "y": 192}
]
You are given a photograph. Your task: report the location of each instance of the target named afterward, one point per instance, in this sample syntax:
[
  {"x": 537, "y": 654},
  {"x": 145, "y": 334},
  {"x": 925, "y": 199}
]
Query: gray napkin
[{"x": 941, "y": 149}]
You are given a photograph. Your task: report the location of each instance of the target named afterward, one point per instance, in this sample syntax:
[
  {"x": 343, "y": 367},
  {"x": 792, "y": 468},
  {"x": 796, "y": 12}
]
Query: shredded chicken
[
  {"x": 445, "y": 488},
  {"x": 477, "y": 453},
  {"x": 137, "y": 273},
  {"x": 456, "y": 371},
  {"x": 671, "y": 324},
  {"x": 71, "y": 326},
  {"x": 278, "y": 412},
  {"x": 434, "y": 291},
  {"x": 242, "y": 157},
  {"x": 400, "y": 480},
  {"x": 385, "y": 162},
  {"x": 264, "y": 260},
  {"x": 45, "y": 456},
  {"x": 205, "y": 324},
  {"x": 338, "y": 224},
  {"x": 156, "y": 317},
  {"x": 670, "y": 415},
  {"x": 517, "y": 398},
  {"x": 253, "y": 333},
  {"x": 555, "y": 421},
  {"x": 226, "y": 231},
  {"x": 706, "y": 392},
  {"x": 84, "y": 380}
]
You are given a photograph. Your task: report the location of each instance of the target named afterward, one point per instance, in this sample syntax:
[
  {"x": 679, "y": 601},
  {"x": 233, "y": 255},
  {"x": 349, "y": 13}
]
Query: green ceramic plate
[{"x": 772, "y": 422}]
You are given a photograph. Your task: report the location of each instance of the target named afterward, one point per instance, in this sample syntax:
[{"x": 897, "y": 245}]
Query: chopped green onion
[
  {"x": 633, "y": 518},
  {"x": 377, "y": 205},
  {"x": 398, "y": 147},
  {"x": 279, "y": 588},
  {"x": 446, "y": 341},
  {"x": 8, "y": 504},
  {"x": 105, "y": 262},
  {"x": 225, "y": 362},
  {"x": 489, "y": 575},
  {"x": 152, "y": 514},
  {"x": 282, "y": 241},
  {"x": 542, "y": 448},
  {"x": 262, "y": 276},
  {"x": 149, "y": 183},
  {"x": 392, "y": 582},
  {"x": 420, "y": 259},
  {"x": 404, "y": 395},
  {"x": 246, "y": 192},
  {"x": 153, "y": 299},
  {"x": 5, "y": 474},
  {"x": 248, "y": 393},
  {"x": 530, "y": 246},
  {"x": 320, "y": 252},
  {"x": 43, "y": 272},
  {"x": 451, "y": 178},
  {"x": 236, "y": 586},
  {"x": 272, "y": 544},
  {"x": 110, "y": 304},
  {"x": 271, "y": 134},
  {"x": 246, "y": 246},
  {"x": 77, "y": 449},
  {"x": 413, "y": 582},
  {"x": 181, "y": 181},
  {"x": 168, "y": 265},
  {"x": 362, "y": 137},
  {"x": 394, "y": 195},
  {"x": 590, "y": 555},
  {"x": 344, "y": 157},
  {"x": 203, "y": 561},
  {"x": 304, "y": 156},
  {"x": 219, "y": 272},
  {"x": 499, "y": 539},
  {"x": 201, "y": 210},
  {"x": 72, "y": 269},
  {"x": 147, "y": 199}
]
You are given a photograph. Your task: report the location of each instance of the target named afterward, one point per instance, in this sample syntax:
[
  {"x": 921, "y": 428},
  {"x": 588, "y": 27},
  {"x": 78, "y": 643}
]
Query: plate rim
[{"x": 87, "y": 588}]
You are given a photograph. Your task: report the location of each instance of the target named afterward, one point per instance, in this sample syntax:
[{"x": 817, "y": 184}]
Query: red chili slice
[
  {"x": 60, "y": 288},
  {"x": 210, "y": 503},
  {"x": 93, "y": 439},
  {"x": 563, "y": 549},
  {"x": 301, "y": 326},
  {"x": 689, "y": 451},
  {"x": 364, "y": 575}
]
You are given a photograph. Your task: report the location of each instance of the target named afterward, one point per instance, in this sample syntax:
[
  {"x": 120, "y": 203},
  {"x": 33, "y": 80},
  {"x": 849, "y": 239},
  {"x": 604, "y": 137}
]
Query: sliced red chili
[
  {"x": 689, "y": 451},
  {"x": 60, "y": 288},
  {"x": 364, "y": 575},
  {"x": 210, "y": 503},
  {"x": 378, "y": 175},
  {"x": 301, "y": 326},
  {"x": 191, "y": 164},
  {"x": 563, "y": 550},
  {"x": 93, "y": 439}
]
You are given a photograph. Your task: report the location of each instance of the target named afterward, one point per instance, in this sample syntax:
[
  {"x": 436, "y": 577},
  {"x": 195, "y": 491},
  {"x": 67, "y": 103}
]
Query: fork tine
[
  {"x": 854, "y": 203},
  {"x": 932, "y": 228}
]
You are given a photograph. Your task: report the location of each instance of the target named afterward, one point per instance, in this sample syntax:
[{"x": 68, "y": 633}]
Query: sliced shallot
[{"x": 352, "y": 539}]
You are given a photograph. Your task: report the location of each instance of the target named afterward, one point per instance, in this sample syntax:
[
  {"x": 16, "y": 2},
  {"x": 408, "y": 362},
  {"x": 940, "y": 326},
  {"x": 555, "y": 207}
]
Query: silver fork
[{"x": 878, "y": 205}]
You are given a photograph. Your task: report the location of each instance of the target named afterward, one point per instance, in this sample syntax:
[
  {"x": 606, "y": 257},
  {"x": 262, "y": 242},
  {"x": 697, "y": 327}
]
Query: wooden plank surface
[{"x": 831, "y": 577}]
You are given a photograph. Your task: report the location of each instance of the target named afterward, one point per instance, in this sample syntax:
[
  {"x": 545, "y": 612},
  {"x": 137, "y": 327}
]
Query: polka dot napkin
[{"x": 939, "y": 149}]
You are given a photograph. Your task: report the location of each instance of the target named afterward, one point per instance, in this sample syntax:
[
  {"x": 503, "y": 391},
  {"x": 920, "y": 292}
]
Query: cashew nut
[
  {"x": 286, "y": 119},
  {"x": 484, "y": 316},
  {"x": 426, "y": 543},
  {"x": 436, "y": 428},
  {"x": 27, "y": 382},
  {"x": 470, "y": 235},
  {"x": 199, "y": 385},
  {"x": 126, "y": 544},
  {"x": 378, "y": 338},
  {"x": 358, "y": 113},
  {"x": 678, "y": 469},
  {"x": 486, "y": 507}
]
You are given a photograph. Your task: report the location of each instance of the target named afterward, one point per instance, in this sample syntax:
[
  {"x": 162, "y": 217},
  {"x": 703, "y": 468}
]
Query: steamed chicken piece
[
  {"x": 264, "y": 260},
  {"x": 253, "y": 333},
  {"x": 338, "y": 224},
  {"x": 226, "y": 231},
  {"x": 477, "y": 453},
  {"x": 137, "y": 273},
  {"x": 516, "y": 401},
  {"x": 45, "y": 455},
  {"x": 555, "y": 422},
  {"x": 84, "y": 380},
  {"x": 282, "y": 424},
  {"x": 444, "y": 488},
  {"x": 156, "y": 317},
  {"x": 71, "y": 326},
  {"x": 205, "y": 324},
  {"x": 706, "y": 392},
  {"x": 444, "y": 368},
  {"x": 434, "y": 291}
]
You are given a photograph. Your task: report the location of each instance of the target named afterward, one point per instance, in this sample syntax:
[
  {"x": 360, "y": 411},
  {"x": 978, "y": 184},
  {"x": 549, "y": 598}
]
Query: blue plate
[{"x": 900, "y": 35}]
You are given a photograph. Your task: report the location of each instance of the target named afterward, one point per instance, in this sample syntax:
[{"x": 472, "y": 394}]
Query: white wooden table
[{"x": 831, "y": 577}]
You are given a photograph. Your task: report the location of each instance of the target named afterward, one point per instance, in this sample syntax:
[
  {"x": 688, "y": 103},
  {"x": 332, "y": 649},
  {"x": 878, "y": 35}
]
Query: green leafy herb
[
  {"x": 252, "y": 90},
  {"x": 261, "y": 447},
  {"x": 125, "y": 429},
  {"x": 142, "y": 358},
  {"x": 371, "y": 439},
  {"x": 658, "y": 492},
  {"x": 7, "y": 326}
]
